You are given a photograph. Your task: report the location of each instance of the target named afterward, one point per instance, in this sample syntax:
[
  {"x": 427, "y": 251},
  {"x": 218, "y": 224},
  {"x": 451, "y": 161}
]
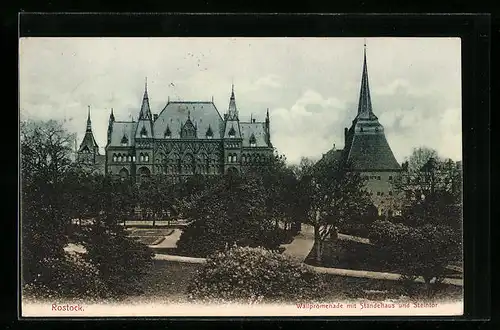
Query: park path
[
  {"x": 170, "y": 241},
  {"x": 302, "y": 244},
  {"x": 298, "y": 249}
]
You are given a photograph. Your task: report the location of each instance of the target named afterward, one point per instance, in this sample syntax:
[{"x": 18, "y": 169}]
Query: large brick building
[{"x": 185, "y": 138}]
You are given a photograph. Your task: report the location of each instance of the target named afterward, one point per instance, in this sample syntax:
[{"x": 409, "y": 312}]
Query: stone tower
[{"x": 367, "y": 151}]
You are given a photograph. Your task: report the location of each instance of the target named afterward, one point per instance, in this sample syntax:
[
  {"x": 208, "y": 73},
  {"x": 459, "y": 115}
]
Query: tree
[
  {"x": 158, "y": 196},
  {"x": 424, "y": 251},
  {"x": 120, "y": 261},
  {"x": 433, "y": 189},
  {"x": 45, "y": 215},
  {"x": 335, "y": 195},
  {"x": 231, "y": 211},
  {"x": 54, "y": 191},
  {"x": 279, "y": 184}
]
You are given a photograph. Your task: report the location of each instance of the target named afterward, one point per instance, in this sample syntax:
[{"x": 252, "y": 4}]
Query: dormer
[
  {"x": 124, "y": 141},
  {"x": 232, "y": 132},
  {"x": 168, "y": 133},
  {"x": 188, "y": 130},
  {"x": 253, "y": 141},
  {"x": 210, "y": 133},
  {"x": 144, "y": 132}
]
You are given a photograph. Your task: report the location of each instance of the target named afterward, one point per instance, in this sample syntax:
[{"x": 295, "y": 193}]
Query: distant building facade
[{"x": 186, "y": 138}]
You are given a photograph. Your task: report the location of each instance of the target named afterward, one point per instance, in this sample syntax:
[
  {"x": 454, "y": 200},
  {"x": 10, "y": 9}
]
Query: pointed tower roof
[
  {"x": 145, "y": 110},
  {"x": 365, "y": 110},
  {"x": 89, "y": 122},
  {"x": 112, "y": 116},
  {"x": 145, "y": 120},
  {"x": 232, "y": 113},
  {"x": 88, "y": 143},
  {"x": 366, "y": 146}
]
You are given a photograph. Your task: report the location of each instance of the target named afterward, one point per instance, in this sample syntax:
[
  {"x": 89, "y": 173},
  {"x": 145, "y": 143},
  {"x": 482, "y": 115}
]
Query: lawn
[
  {"x": 150, "y": 236},
  {"x": 349, "y": 254},
  {"x": 168, "y": 280}
]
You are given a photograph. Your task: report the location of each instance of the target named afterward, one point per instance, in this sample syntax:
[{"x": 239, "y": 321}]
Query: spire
[
  {"x": 111, "y": 116},
  {"x": 232, "y": 110},
  {"x": 88, "y": 142},
  {"x": 89, "y": 122},
  {"x": 365, "y": 103},
  {"x": 267, "y": 115},
  {"x": 145, "y": 110}
]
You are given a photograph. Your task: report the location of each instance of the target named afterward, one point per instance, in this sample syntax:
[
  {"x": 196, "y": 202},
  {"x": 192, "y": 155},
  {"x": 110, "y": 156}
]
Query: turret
[{"x": 110, "y": 125}]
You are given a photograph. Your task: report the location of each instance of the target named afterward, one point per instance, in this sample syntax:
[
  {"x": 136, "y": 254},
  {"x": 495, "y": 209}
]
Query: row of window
[
  {"x": 231, "y": 158},
  {"x": 381, "y": 193},
  {"x": 130, "y": 158},
  {"x": 376, "y": 177},
  {"x": 245, "y": 158}
]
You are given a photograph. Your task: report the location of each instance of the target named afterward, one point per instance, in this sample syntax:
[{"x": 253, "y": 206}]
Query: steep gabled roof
[
  {"x": 255, "y": 129},
  {"x": 202, "y": 115},
  {"x": 121, "y": 129}
]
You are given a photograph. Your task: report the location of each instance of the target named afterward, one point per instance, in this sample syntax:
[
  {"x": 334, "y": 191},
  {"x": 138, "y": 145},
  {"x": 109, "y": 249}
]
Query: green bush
[
  {"x": 252, "y": 275},
  {"x": 417, "y": 251}
]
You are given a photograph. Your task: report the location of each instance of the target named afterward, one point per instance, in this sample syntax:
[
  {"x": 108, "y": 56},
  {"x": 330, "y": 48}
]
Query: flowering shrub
[
  {"x": 71, "y": 277},
  {"x": 252, "y": 275}
]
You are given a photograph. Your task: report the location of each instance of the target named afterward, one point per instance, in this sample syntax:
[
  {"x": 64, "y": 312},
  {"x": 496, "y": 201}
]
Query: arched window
[
  {"x": 133, "y": 158},
  {"x": 229, "y": 158},
  {"x": 119, "y": 157},
  {"x": 123, "y": 174},
  {"x": 235, "y": 158},
  {"x": 146, "y": 158},
  {"x": 114, "y": 157},
  {"x": 129, "y": 158}
]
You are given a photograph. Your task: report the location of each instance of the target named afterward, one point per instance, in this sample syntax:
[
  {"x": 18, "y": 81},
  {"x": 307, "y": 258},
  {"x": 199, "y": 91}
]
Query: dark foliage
[
  {"x": 228, "y": 212},
  {"x": 56, "y": 196},
  {"x": 424, "y": 251}
]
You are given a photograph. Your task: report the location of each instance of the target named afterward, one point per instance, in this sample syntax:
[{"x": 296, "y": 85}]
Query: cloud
[
  {"x": 271, "y": 80},
  {"x": 310, "y": 85},
  {"x": 304, "y": 129}
]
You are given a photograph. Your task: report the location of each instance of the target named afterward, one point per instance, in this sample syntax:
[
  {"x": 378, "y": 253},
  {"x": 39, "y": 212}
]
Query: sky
[{"x": 310, "y": 85}]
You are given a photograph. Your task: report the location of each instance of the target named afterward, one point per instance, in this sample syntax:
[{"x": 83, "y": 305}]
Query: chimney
[
  {"x": 253, "y": 120},
  {"x": 155, "y": 116}
]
